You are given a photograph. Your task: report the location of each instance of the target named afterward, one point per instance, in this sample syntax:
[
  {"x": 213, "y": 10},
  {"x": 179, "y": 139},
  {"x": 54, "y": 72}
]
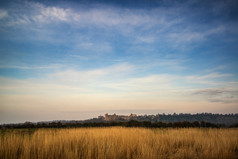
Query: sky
[{"x": 74, "y": 60}]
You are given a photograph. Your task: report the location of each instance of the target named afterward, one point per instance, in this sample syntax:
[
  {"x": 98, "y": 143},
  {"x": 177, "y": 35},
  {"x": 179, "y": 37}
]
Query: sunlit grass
[{"x": 119, "y": 143}]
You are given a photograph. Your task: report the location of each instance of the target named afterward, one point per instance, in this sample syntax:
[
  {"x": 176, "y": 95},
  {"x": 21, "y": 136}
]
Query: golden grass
[{"x": 119, "y": 143}]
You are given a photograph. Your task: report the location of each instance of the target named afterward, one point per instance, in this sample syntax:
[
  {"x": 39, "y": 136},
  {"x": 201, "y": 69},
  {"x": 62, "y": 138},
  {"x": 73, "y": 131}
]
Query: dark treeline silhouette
[
  {"x": 133, "y": 120},
  {"x": 131, "y": 123},
  {"x": 226, "y": 119}
]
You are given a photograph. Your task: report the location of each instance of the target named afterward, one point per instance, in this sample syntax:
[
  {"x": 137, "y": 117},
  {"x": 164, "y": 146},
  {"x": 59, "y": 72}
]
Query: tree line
[{"x": 131, "y": 123}]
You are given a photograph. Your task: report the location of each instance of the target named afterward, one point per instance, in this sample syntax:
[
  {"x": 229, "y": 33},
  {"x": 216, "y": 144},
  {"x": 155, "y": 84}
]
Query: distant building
[{"x": 133, "y": 115}]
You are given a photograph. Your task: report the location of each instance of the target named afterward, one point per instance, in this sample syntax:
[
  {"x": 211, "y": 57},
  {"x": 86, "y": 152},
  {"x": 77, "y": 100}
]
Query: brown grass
[{"x": 119, "y": 143}]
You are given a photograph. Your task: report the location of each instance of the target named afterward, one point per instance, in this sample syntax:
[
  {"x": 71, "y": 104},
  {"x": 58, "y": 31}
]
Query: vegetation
[
  {"x": 131, "y": 123},
  {"x": 225, "y": 119},
  {"x": 119, "y": 143}
]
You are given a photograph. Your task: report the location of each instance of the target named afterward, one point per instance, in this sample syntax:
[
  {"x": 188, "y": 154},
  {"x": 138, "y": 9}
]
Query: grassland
[{"x": 119, "y": 143}]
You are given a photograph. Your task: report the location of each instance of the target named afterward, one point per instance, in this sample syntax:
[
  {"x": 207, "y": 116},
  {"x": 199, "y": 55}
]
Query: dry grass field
[{"x": 119, "y": 143}]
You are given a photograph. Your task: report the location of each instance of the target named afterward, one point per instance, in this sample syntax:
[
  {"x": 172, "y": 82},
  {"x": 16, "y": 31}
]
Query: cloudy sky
[{"x": 80, "y": 59}]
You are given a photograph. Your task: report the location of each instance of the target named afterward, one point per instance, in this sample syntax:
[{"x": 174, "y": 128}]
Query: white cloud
[
  {"x": 51, "y": 14},
  {"x": 115, "y": 17},
  {"x": 34, "y": 14},
  {"x": 102, "y": 16}
]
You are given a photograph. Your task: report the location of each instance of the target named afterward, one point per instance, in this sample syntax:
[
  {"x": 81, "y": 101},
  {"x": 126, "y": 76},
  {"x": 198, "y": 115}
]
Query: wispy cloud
[
  {"x": 95, "y": 74},
  {"x": 68, "y": 82},
  {"x": 145, "y": 39},
  {"x": 117, "y": 78},
  {"x": 3, "y": 13},
  {"x": 79, "y": 57},
  {"x": 35, "y": 13},
  {"x": 53, "y": 14},
  {"x": 27, "y": 67},
  {"x": 41, "y": 14},
  {"x": 210, "y": 78},
  {"x": 152, "y": 85},
  {"x": 217, "y": 68},
  {"x": 159, "y": 23},
  {"x": 187, "y": 36}
]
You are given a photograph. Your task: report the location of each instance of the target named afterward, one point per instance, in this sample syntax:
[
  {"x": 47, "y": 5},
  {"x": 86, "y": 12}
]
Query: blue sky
[{"x": 80, "y": 59}]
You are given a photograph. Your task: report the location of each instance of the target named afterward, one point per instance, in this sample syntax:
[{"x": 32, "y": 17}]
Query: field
[{"x": 119, "y": 143}]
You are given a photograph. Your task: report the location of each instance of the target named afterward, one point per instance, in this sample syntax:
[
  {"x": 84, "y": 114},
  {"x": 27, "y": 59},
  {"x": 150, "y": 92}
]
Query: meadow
[{"x": 119, "y": 143}]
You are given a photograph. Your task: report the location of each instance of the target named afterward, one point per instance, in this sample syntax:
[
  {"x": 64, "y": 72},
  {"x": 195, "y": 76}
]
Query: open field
[{"x": 119, "y": 143}]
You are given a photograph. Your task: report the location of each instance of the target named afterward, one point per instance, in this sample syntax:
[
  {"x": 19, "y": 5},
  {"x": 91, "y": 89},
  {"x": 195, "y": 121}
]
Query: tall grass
[{"x": 119, "y": 143}]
